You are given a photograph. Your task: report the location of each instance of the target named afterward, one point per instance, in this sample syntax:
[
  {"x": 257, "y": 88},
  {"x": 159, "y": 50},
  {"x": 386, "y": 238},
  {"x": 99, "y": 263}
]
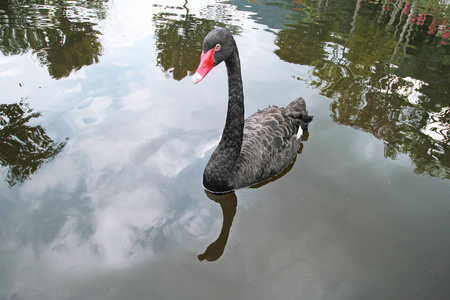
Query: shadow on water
[
  {"x": 228, "y": 204},
  {"x": 23, "y": 148}
]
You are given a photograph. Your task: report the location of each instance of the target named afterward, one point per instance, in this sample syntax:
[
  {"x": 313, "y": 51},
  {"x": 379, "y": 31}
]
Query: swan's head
[{"x": 217, "y": 47}]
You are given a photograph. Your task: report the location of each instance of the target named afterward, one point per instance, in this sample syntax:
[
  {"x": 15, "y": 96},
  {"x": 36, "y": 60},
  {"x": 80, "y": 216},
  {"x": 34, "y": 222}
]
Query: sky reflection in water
[{"x": 120, "y": 212}]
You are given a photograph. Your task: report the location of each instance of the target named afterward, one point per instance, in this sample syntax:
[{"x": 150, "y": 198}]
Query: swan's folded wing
[{"x": 269, "y": 145}]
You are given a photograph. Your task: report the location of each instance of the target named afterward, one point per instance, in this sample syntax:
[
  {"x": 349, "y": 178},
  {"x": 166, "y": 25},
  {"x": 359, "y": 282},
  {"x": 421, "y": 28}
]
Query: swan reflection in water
[{"x": 228, "y": 204}]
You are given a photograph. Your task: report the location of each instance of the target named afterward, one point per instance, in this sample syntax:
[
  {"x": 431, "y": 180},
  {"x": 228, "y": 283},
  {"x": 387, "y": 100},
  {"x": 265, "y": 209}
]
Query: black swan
[{"x": 257, "y": 148}]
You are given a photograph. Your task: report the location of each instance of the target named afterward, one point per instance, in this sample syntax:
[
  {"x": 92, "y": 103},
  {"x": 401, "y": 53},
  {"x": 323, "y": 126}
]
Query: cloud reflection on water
[
  {"x": 107, "y": 200},
  {"x": 130, "y": 215},
  {"x": 114, "y": 217}
]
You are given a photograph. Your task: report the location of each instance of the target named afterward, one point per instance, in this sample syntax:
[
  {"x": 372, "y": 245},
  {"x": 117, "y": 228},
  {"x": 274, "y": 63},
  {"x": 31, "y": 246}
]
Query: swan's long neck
[
  {"x": 234, "y": 126},
  {"x": 219, "y": 170}
]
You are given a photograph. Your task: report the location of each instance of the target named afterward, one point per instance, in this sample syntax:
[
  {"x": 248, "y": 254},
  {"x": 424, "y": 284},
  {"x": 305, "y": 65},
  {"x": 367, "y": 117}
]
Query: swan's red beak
[{"x": 206, "y": 64}]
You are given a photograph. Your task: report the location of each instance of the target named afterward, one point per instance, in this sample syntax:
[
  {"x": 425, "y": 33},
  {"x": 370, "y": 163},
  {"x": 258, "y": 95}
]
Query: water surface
[{"x": 104, "y": 139}]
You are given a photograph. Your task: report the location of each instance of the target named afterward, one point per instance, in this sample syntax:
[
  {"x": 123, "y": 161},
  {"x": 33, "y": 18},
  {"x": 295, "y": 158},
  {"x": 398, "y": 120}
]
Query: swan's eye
[{"x": 217, "y": 47}]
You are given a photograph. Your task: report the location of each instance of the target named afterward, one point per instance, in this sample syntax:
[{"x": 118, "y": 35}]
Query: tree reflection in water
[
  {"x": 179, "y": 40},
  {"x": 61, "y": 34},
  {"x": 390, "y": 81},
  {"x": 23, "y": 148}
]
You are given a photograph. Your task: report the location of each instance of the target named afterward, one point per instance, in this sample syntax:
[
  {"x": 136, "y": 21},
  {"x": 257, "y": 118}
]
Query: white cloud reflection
[
  {"x": 117, "y": 200},
  {"x": 115, "y": 193},
  {"x": 436, "y": 126}
]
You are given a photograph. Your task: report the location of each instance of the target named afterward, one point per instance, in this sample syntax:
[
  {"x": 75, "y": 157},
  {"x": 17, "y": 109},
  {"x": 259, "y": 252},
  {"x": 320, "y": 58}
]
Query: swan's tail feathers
[{"x": 296, "y": 110}]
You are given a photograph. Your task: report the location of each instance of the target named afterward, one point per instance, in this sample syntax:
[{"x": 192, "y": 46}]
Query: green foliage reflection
[
  {"x": 60, "y": 33},
  {"x": 23, "y": 147},
  {"x": 386, "y": 74},
  {"x": 179, "y": 39}
]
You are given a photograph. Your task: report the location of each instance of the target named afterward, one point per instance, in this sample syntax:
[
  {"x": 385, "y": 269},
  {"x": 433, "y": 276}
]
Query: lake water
[{"x": 104, "y": 138}]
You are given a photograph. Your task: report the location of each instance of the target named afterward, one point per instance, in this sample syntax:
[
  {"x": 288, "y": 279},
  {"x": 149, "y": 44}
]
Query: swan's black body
[{"x": 259, "y": 147}]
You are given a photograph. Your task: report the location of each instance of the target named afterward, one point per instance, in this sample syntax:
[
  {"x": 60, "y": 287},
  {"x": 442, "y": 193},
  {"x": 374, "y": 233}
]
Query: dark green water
[{"x": 103, "y": 141}]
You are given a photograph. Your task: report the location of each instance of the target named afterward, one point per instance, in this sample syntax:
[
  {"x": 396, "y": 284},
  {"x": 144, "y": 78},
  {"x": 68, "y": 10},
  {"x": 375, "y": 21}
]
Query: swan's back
[{"x": 270, "y": 142}]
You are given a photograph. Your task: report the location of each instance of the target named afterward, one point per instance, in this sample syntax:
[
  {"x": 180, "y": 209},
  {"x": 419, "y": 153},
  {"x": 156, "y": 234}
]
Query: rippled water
[{"x": 104, "y": 139}]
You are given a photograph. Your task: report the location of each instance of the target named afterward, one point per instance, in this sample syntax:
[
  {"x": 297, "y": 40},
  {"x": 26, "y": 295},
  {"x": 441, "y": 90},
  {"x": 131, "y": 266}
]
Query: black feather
[{"x": 259, "y": 147}]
